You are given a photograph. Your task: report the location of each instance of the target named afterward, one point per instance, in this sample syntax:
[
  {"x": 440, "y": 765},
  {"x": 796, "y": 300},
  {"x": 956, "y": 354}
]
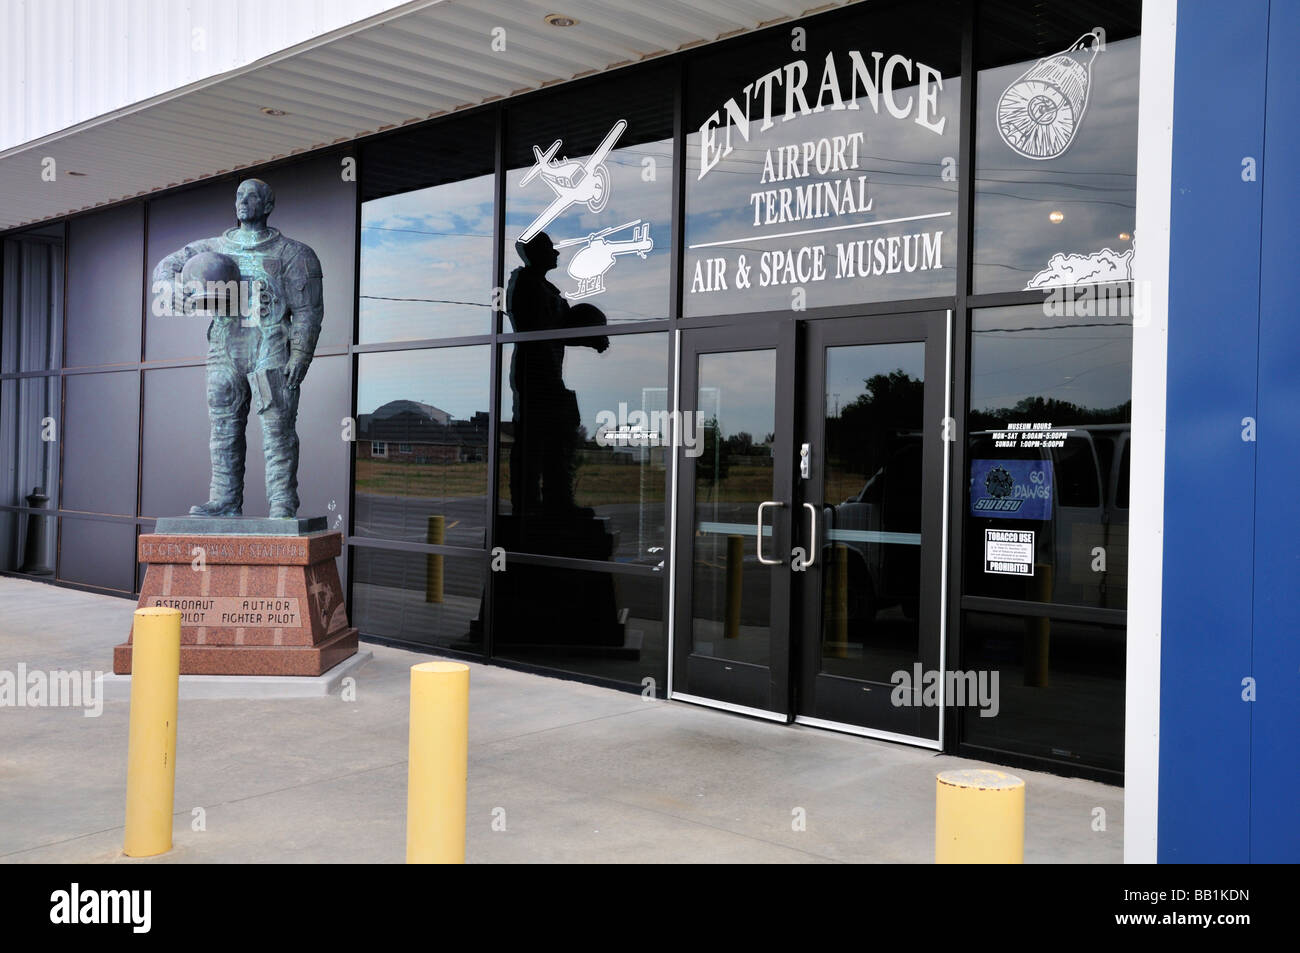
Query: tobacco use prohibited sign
[{"x": 1009, "y": 552}]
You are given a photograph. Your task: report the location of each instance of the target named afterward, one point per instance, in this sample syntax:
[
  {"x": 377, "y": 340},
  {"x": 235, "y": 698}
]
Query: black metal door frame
[
  {"x": 837, "y": 701},
  {"x": 763, "y": 691}
]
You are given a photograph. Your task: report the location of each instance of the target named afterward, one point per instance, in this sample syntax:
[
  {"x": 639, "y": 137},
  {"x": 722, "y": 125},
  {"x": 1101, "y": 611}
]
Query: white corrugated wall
[{"x": 63, "y": 62}]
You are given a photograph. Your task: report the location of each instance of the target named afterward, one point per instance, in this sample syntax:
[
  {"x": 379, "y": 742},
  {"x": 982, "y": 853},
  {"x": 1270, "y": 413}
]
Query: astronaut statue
[{"x": 259, "y": 345}]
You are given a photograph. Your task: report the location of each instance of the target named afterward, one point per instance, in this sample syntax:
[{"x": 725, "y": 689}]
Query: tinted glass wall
[
  {"x": 31, "y": 326},
  {"x": 1044, "y": 466},
  {"x": 103, "y": 405}
]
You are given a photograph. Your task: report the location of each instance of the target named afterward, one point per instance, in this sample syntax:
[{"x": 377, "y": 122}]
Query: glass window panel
[
  {"x": 32, "y": 289},
  {"x": 1060, "y": 688},
  {"x": 1055, "y": 143},
  {"x": 100, "y": 443},
  {"x": 11, "y": 540},
  {"x": 591, "y": 171},
  {"x": 605, "y": 625},
  {"x": 97, "y": 553},
  {"x": 29, "y": 435},
  {"x": 871, "y": 583},
  {"x": 731, "y": 602},
  {"x": 105, "y": 287},
  {"x": 426, "y": 232},
  {"x": 1050, "y": 402},
  {"x": 435, "y": 402},
  {"x": 428, "y": 598},
  {"x": 576, "y": 477},
  {"x": 29, "y": 411},
  {"x": 851, "y": 199}
]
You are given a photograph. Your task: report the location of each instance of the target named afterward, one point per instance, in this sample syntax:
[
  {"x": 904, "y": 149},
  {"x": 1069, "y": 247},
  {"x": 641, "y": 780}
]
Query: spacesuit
[{"x": 257, "y": 357}]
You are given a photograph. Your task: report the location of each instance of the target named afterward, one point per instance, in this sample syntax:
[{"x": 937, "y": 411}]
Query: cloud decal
[{"x": 1104, "y": 265}]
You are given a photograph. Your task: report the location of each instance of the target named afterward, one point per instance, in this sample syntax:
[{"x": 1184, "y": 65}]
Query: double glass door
[{"x": 809, "y": 522}]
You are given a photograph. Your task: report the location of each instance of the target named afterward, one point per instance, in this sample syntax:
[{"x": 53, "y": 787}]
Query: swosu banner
[{"x": 1011, "y": 489}]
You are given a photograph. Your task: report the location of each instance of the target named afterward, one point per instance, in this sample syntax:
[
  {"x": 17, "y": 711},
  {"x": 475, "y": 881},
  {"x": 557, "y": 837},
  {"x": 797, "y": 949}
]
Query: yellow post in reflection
[
  {"x": 433, "y": 562},
  {"x": 735, "y": 581},
  {"x": 438, "y": 763},
  {"x": 1038, "y": 633},
  {"x": 151, "y": 744},
  {"x": 835, "y": 604},
  {"x": 979, "y": 818}
]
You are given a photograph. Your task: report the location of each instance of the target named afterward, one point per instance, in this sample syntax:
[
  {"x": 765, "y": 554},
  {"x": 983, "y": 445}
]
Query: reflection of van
[
  {"x": 1081, "y": 542},
  {"x": 880, "y": 528}
]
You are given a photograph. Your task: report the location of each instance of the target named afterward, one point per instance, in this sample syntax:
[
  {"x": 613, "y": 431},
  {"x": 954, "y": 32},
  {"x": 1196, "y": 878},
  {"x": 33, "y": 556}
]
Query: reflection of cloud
[
  {"x": 637, "y": 290},
  {"x": 1019, "y": 352},
  {"x": 1104, "y": 265},
  {"x": 431, "y": 245}
]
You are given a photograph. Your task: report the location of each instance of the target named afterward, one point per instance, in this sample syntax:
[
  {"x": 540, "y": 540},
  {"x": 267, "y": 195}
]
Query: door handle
[
  {"x": 813, "y": 545},
  {"x": 759, "y": 544}
]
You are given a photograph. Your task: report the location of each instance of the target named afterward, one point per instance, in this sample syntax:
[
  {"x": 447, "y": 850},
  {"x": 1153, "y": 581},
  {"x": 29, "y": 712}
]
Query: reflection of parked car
[{"x": 880, "y": 528}]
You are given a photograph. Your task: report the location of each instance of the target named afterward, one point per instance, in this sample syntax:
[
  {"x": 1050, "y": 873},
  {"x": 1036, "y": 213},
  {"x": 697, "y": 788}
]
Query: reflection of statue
[
  {"x": 534, "y": 602},
  {"x": 260, "y": 357},
  {"x": 547, "y": 425}
]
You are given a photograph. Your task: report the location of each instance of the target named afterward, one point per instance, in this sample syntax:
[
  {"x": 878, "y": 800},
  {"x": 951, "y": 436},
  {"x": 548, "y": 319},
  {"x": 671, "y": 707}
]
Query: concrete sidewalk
[{"x": 574, "y": 773}]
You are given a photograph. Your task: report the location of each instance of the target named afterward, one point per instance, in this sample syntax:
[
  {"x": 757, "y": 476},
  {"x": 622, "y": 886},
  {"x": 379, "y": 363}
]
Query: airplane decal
[
  {"x": 589, "y": 264},
  {"x": 572, "y": 181}
]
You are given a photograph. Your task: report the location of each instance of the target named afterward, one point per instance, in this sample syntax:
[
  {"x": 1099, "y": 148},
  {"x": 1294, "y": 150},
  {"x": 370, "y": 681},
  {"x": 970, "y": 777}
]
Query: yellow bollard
[
  {"x": 439, "y": 763},
  {"x": 841, "y": 601},
  {"x": 433, "y": 561},
  {"x": 735, "y": 585},
  {"x": 151, "y": 745},
  {"x": 979, "y": 818}
]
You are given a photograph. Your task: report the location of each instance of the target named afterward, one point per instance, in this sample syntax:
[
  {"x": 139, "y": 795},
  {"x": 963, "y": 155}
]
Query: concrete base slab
[{"x": 118, "y": 687}]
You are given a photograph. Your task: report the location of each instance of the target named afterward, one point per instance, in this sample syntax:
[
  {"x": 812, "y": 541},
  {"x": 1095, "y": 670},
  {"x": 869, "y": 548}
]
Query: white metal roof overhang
[{"x": 413, "y": 62}]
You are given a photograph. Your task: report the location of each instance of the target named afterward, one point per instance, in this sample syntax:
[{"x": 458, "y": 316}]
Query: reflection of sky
[
  {"x": 741, "y": 386},
  {"x": 454, "y": 379},
  {"x": 903, "y": 162},
  {"x": 1088, "y": 366},
  {"x": 1093, "y": 183},
  {"x": 633, "y": 364},
  {"x": 848, "y": 368},
  {"x": 433, "y": 244},
  {"x": 636, "y": 289}
]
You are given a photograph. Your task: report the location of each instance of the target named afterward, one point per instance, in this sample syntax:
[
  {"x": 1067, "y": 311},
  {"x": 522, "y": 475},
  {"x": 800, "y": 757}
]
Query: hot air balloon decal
[{"x": 1040, "y": 113}]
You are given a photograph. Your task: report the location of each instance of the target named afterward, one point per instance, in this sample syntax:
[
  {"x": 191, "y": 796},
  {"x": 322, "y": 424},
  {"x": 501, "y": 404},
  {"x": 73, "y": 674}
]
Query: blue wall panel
[
  {"x": 1275, "y": 741},
  {"x": 1208, "y": 584}
]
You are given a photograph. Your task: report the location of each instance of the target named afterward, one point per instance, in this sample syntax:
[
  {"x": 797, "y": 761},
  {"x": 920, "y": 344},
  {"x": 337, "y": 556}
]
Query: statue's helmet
[{"x": 210, "y": 283}]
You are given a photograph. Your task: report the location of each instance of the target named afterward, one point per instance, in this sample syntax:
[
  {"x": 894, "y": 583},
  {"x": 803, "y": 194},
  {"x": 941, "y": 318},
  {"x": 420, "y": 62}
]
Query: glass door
[
  {"x": 868, "y": 534},
  {"x": 732, "y": 641},
  {"x": 809, "y": 522}
]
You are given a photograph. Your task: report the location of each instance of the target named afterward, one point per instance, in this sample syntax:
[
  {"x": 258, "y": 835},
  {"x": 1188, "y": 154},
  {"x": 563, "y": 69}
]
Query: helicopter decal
[
  {"x": 573, "y": 181},
  {"x": 588, "y": 265}
]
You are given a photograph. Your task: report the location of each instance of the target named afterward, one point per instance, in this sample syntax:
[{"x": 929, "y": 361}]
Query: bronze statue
[{"x": 258, "y": 352}]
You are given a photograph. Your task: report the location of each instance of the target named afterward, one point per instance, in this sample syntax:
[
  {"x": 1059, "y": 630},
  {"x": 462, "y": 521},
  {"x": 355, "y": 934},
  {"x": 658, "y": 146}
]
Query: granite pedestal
[{"x": 264, "y": 602}]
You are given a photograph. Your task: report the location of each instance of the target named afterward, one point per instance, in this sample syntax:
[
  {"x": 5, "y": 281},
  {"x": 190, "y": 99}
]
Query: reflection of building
[
  {"x": 406, "y": 431},
  {"x": 1139, "y": 604}
]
